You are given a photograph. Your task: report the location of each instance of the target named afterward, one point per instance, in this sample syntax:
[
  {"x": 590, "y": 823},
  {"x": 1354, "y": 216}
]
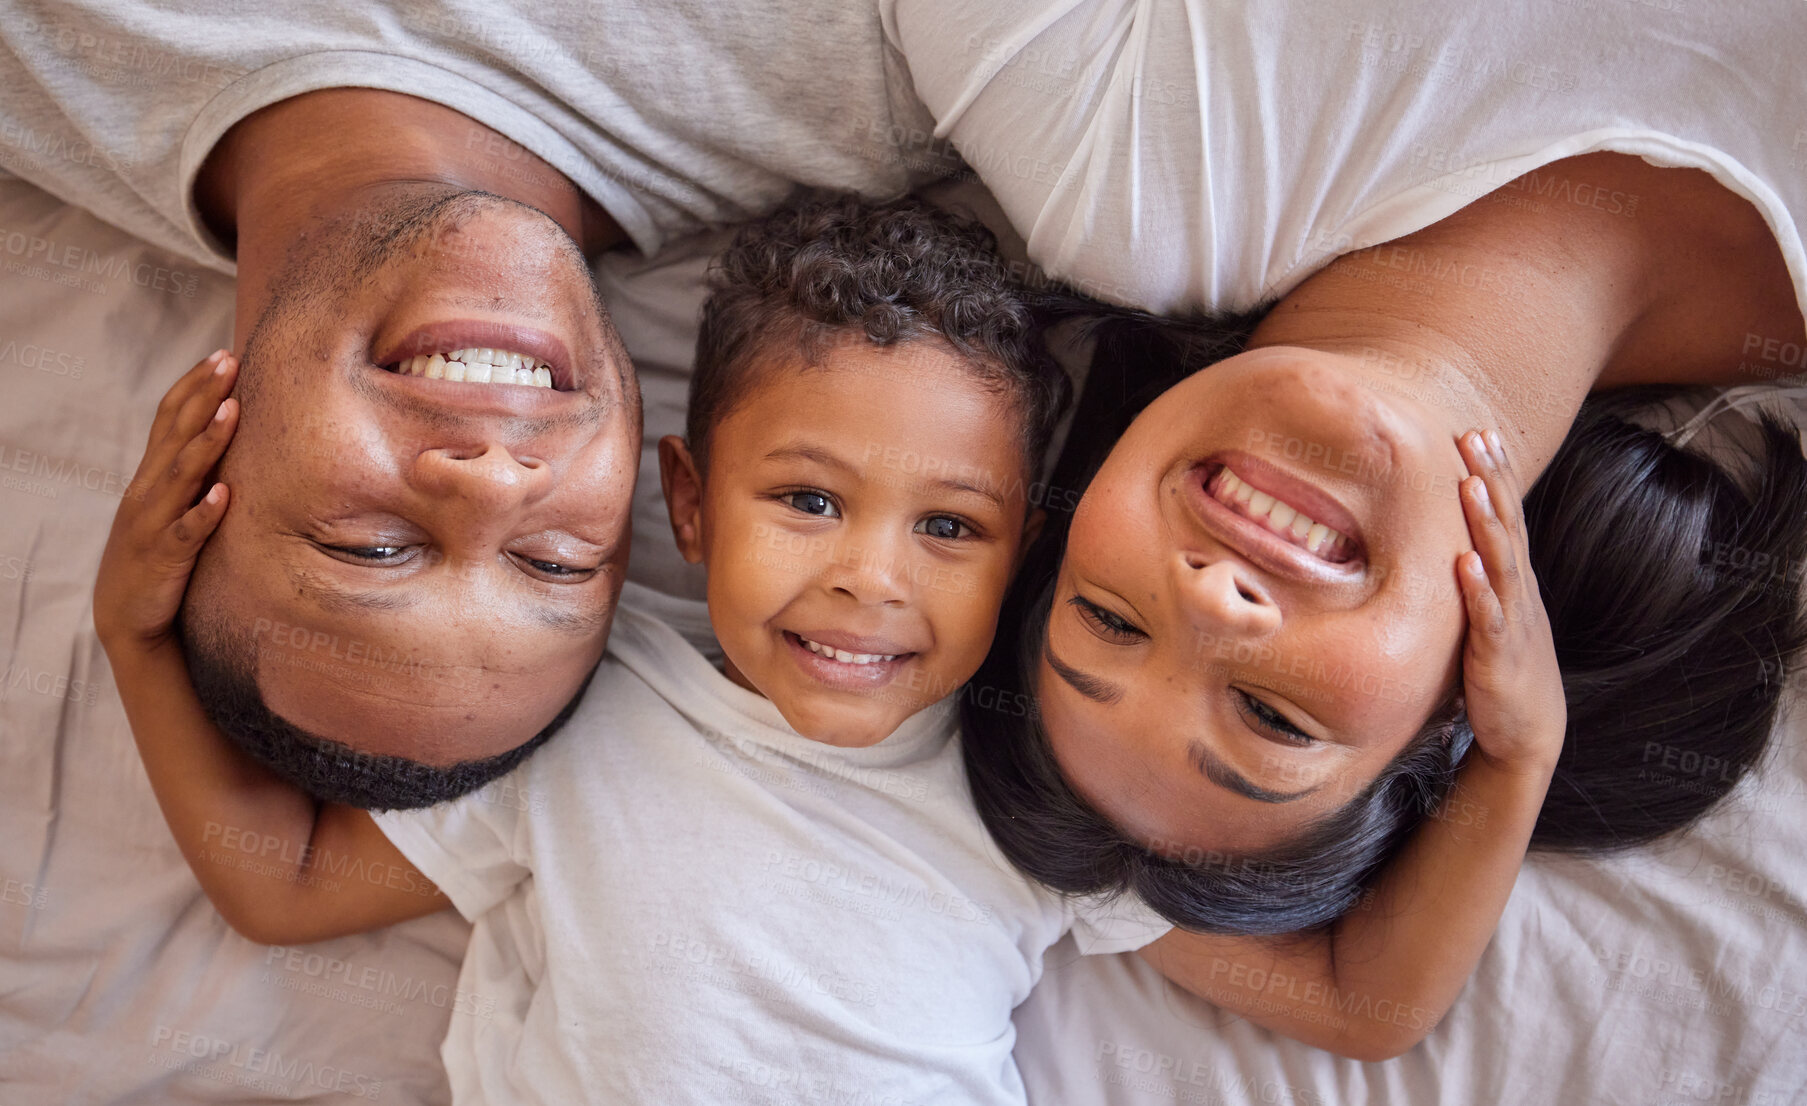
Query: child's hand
[
  {"x": 161, "y": 527},
  {"x": 1510, "y": 681}
]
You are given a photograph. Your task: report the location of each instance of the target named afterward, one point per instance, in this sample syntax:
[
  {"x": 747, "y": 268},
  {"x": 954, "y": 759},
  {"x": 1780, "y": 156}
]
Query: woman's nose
[
  {"x": 1222, "y": 598},
  {"x": 488, "y": 477}
]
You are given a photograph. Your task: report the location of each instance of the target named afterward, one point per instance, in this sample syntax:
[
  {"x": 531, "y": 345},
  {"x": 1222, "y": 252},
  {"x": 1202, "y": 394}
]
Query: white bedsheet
[{"x": 1676, "y": 974}]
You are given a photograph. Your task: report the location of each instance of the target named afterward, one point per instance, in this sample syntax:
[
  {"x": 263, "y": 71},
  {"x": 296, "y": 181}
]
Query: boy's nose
[{"x": 875, "y": 574}]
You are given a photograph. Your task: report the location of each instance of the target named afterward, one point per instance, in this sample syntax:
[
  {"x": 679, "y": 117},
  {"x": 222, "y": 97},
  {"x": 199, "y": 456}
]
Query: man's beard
[{"x": 329, "y": 770}]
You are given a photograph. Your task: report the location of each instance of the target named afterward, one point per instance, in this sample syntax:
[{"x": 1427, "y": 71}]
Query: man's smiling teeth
[
  {"x": 842, "y": 655},
  {"x": 1280, "y": 517},
  {"x": 479, "y": 366}
]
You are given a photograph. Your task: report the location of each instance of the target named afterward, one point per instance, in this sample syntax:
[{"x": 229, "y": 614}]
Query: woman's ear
[
  {"x": 1032, "y": 529},
  {"x": 683, "y": 486}
]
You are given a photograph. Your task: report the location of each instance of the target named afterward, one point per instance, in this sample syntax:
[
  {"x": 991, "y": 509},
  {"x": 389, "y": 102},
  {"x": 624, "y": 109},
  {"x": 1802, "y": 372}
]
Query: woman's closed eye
[
  {"x": 1105, "y": 623},
  {"x": 1271, "y": 721}
]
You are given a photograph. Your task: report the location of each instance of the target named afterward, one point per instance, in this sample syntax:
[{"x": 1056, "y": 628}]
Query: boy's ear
[
  {"x": 1032, "y": 529},
  {"x": 683, "y": 487}
]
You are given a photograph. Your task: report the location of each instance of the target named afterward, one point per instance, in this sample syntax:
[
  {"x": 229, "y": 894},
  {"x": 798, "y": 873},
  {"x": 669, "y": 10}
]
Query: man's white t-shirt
[
  {"x": 1203, "y": 154},
  {"x": 681, "y": 900}
]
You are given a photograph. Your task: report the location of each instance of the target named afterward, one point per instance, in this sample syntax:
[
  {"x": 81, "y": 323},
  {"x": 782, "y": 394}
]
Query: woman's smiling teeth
[
  {"x": 1280, "y": 517},
  {"x": 843, "y": 656},
  {"x": 479, "y": 366}
]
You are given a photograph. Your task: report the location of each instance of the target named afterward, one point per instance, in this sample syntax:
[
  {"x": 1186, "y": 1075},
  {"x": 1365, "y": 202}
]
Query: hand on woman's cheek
[{"x": 1214, "y": 678}]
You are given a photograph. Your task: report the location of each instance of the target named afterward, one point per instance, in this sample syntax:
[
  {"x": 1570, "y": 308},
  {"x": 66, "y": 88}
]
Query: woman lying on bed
[{"x": 1246, "y": 639}]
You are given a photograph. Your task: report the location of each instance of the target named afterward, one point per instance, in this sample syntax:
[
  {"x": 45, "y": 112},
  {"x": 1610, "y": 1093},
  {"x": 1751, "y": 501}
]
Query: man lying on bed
[
  {"x": 418, "y": 579},
  {"x": 442, "y": 575}
]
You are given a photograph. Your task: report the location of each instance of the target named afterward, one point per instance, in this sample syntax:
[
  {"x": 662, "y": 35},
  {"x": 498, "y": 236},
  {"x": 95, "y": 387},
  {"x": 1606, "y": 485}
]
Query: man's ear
[
  {"x": 683, "y": 487},
  {"x": 1032, "y": 529}
]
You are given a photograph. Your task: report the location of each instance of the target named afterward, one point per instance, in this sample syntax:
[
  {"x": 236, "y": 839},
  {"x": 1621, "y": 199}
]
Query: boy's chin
[{"x": 847, "y": 729}]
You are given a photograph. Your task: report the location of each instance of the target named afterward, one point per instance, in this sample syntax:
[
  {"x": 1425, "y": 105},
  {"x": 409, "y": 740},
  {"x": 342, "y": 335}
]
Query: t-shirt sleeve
[
  {"x": 118, "y": 116},
  {"x": 469, "y": 846},
  {"x": 1114, "y": 923}
]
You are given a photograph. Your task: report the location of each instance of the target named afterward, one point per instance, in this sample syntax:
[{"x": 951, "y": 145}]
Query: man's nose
[
  {"x": 1225, "y": 599},
  {"x": 488, "y": 477}
]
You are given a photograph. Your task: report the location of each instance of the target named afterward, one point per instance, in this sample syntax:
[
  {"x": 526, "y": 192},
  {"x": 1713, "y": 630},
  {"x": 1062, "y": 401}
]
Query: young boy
[{"x": 768, "y": 883}]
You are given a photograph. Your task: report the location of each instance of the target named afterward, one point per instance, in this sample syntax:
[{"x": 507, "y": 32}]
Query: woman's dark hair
[
  {"x": 1674, "y": 595},
  {"x": 1673, "y": 591},
  {"x": 827, "y": 268}
]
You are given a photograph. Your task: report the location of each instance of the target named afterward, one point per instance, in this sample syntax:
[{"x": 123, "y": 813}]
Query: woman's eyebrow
[
  {"x": 1226, "y": 777},
  {"x": 1093, "y": 688}
]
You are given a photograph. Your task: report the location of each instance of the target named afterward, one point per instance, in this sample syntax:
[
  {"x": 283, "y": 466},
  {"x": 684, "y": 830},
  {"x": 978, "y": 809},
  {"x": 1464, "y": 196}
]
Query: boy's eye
[
  {"x": 944, "y": 527},
  {"x": 811, "y": 503}
]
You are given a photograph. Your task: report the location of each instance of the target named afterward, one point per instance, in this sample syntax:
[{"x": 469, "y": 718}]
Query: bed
[{"x": 1675, "y": 974}]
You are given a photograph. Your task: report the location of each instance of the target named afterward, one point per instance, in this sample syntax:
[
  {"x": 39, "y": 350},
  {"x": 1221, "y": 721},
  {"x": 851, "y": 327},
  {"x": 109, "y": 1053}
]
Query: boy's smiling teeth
[
  {"x": 843, "y": 656},
  {"x": 479, "y": 366},
  {"x": 1281, "y": 517}
]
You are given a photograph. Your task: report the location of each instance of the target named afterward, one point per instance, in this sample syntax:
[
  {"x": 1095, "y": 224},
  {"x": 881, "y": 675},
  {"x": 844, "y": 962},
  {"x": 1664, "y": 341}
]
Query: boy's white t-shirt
[{"x": 681, "y": 900}]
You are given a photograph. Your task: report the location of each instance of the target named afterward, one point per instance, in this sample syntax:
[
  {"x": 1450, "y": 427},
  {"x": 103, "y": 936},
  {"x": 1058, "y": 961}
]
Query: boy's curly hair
[{"x": 823, "y": 270}]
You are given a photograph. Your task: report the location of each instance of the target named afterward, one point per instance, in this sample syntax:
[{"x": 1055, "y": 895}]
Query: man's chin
[
  {"x": 328, "y": 769},
  {"x": 336, "y": 773}
]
